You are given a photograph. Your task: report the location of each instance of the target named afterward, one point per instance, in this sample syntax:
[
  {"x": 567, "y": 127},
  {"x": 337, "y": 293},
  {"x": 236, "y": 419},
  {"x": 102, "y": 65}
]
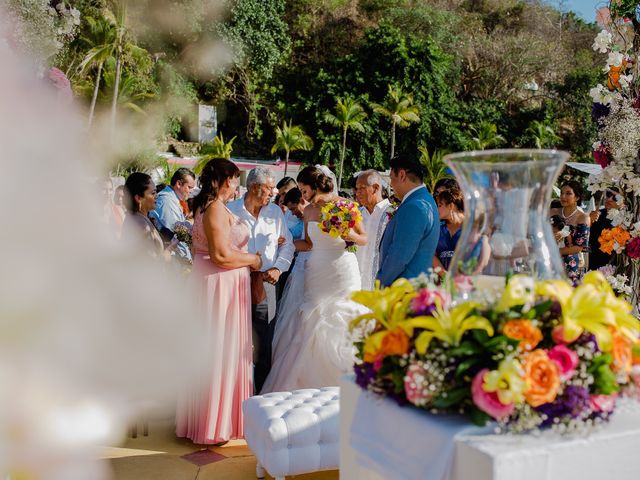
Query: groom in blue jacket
[{"x": 409, "y": 242}]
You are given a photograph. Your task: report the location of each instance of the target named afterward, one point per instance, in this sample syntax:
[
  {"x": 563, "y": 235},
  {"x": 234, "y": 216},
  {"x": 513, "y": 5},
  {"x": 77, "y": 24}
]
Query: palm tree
[
  {"x": 435, "y": 167},
  {"x": 120, "y": 17},
  {"x": 399, "y": 108},
  {"x": 101, "y": 40},
  {"x": 543, "y": 135},
  {"x": 349, "y": 114},
  {"x": 486, "y": 136},
  {"x": 291, "y": 138},
  {"x": 218, "y": 149}
]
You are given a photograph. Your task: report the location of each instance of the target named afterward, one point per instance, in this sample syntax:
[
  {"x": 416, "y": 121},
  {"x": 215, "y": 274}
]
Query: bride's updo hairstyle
[
  {"x": 213, "y": 175},
  {"x": 314, "y": 178}
]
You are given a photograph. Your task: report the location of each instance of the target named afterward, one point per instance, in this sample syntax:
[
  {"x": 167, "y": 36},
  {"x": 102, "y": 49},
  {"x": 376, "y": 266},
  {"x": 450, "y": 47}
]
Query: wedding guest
[
  {"x": 375, "y": 217},
  {"x": 169, "y": 208},
  {"x": 410, "y": 240},
  {"x": 600, "y": 221},
  {"x": 118, "y": 210},
  {"x": 445, "y": 184},
  {"x": 213, "y": 412},
  {"x": 451, "y": 211},
  {"x": 137, "y": 226},
  {"x": 560, "y": 230},
  {"x": 266, "y": 225},
  {"x": 571, "y": 194},
  {"x": 295, "y": 204}
]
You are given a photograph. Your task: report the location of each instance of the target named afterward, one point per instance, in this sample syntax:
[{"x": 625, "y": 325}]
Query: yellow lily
[
  {"x": 447, "y": 326},
  {"x": 388, "y": 306},
  {"x": 519, "y": 291},
  {"x": 583, "y": 308}
]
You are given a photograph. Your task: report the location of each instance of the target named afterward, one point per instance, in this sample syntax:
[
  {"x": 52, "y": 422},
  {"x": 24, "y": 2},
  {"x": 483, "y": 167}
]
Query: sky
[{"x": 585, "y": 8}]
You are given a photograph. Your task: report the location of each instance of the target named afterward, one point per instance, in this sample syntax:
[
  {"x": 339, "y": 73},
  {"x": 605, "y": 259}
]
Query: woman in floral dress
[{"x": 578, "y": 240}]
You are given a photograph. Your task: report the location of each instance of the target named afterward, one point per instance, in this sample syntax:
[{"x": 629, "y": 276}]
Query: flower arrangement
[
  {"x": 616, "y": 109},
  {"x": 338, "y": 218},
  {"x": 543, "y": 354},
  {"x": 182, "y": 230}
]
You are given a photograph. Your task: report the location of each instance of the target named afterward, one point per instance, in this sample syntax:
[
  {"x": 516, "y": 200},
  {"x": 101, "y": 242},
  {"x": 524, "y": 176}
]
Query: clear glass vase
[{"x": 507, "y": 195}]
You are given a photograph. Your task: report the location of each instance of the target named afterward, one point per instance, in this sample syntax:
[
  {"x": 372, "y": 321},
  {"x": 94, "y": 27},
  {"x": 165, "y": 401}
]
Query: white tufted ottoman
[{"x": 294, "y": 432}]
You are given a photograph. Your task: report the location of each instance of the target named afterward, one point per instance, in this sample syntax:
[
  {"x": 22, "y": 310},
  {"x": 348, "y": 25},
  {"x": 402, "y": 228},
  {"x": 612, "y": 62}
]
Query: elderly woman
[{"x": 571, "y": 195}]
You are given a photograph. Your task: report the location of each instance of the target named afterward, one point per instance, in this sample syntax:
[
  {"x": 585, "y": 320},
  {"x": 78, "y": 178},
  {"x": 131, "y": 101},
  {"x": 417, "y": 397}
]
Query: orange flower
[
  {"x": 523, "y": 330},
  {"x": 610, "y": 237},
  {"x": 622, "y": 354},
  {"x": 395, "y": 342},
  {"x": 543, "y": 380}
]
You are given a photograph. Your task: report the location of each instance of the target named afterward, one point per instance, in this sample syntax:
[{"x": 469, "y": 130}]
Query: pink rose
[
  {"x": 557, "y": 334},
  {"x": 488, "y": 402},
  {"x": 601, "y": 158},
  {"x": 415, "y": 386},
  {"x": 603, "y": 403},
  {"x": 425, "y": 302},
  {"x": 633, "y": 248},
  {"x": 566, "y": 359}
]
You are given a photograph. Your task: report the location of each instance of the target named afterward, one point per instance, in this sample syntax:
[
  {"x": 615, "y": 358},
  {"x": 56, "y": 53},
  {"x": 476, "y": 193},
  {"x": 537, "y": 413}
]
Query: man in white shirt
[
  {"x": 267, "y": 227},
  {"x": 375, "y": 219}
]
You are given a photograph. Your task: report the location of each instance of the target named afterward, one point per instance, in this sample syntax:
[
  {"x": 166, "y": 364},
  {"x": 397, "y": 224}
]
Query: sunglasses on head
[{"x": 611, "y": 194}]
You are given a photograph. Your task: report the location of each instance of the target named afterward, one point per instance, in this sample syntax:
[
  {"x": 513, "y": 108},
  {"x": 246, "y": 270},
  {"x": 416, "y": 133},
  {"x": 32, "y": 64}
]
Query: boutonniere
[{"x": 391, "y": 210}]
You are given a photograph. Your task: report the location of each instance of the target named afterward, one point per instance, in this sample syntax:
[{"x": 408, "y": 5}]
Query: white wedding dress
[{"x": 312, "y": 347}]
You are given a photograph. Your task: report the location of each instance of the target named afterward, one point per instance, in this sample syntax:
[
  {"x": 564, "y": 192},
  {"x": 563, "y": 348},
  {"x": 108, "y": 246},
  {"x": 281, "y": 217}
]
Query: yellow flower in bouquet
[
  {"x": 338, "y": 217},
  {"x": 591, "y": 307}
]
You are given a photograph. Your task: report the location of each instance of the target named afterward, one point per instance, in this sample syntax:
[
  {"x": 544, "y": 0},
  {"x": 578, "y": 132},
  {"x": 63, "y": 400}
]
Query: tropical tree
[
  {"x": 349, "y": 114},
  {"x": 218, "y": 149},
  {"x": 542, "y": 134},
  {"x": 101, "y": 41},
  {"x": 435, "y": 168},
  {"x": 291, "y": 138},
  {"x": 486, "y": 136},
  {"x": 400, "y": 110},
  {"x": 119, "y": 11}
]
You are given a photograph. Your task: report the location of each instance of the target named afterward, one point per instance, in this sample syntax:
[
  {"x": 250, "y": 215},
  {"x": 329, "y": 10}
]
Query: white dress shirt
[
  {"x": 367, "y": 255},
  {"x": 264, "y": 232}
]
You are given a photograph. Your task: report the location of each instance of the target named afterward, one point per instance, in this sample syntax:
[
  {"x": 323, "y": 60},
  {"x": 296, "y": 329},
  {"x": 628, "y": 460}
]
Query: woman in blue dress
[{"x": 451, "y": 210}]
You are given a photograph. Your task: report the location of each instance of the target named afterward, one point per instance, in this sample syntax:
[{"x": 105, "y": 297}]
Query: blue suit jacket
[{"x": 410, "y": 239}]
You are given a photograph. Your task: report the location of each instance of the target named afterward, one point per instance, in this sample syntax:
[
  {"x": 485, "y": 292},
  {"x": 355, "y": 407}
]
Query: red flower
[
  {"x": 601, "y": 158},
  {"x": 633, "y": 248}
]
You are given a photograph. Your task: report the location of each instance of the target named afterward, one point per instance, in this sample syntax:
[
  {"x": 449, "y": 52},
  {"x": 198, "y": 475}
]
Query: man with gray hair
[
  {"x": 269, "y": 235},
  {"x": 369, "y": 186}
]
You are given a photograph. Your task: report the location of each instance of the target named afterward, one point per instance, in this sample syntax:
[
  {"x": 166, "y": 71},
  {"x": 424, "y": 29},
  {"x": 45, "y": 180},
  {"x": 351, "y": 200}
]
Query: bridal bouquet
[
  {"x": 543, "y": 354},
  {"x": 182, "y": 230},
  {"x": 338, "y": 217}
]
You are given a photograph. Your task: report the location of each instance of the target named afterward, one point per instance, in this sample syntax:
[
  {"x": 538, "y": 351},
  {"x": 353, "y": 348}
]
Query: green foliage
[
  {"x": 218, "y": 149},
  {"x": 291, "y": 138},
  {"x": 486, "y": 136},
  {"x": 603, "y": 377},
  {"x": 543, "y": 135},
  {"x": 435, "y": 168}
]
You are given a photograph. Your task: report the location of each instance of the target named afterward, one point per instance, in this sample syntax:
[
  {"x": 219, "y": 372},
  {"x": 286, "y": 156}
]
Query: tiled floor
[{"x": 162, "y": 456}]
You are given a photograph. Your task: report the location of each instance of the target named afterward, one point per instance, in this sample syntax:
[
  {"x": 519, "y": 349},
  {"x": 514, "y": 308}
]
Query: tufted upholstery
[{"x": 294, "y": 432}]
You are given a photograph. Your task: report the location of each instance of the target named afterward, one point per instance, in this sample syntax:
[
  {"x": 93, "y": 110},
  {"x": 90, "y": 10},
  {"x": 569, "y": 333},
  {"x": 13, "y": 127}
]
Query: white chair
[{"x": 294, "y": 432}]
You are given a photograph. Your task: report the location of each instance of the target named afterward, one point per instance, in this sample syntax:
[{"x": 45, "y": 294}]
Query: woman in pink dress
[{"x": 212, "y": 412}]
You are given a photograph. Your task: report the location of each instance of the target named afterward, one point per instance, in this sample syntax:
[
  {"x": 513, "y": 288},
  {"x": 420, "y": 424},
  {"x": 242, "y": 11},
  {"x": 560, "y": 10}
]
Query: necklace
[{"x": 567, "y": 217}]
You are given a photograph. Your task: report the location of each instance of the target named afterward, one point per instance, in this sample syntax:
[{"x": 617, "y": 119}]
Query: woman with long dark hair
[
  {"x": 140, "y": 199},
  {"x": 571, "y": 195},
  {"x": 213, "y": 412}
]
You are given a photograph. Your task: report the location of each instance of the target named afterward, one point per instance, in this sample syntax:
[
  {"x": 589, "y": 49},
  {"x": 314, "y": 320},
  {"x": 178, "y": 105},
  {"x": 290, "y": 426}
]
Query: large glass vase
[{"x": 507, "y": 195}]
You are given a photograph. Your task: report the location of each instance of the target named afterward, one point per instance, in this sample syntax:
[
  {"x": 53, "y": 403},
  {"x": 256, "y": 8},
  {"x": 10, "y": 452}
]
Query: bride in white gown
[{"x": 312, "y": 346}]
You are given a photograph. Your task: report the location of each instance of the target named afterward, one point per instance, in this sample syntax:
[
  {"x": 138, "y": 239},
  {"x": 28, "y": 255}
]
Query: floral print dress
[{"x": 579, "y": 237}]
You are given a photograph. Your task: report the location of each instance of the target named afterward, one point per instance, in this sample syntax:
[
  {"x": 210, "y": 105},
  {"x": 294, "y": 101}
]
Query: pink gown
[{"x": 213, "y": 413}]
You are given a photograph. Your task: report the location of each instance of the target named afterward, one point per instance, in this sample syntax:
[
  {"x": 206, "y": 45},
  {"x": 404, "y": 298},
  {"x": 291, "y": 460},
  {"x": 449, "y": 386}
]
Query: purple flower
[
  {"x": 573, "y": 402},
  {"x": 599, "y": 111},
  {"x": 365, "y": 373}
]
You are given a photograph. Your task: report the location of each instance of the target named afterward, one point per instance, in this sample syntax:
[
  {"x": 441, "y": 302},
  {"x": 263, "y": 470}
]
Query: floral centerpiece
[
  {"x": 616, "y": 109},
  {"x": 338, "y": 218},
  {"x": 182, "y": 231},
  {"x": 543, "y": 354}
]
